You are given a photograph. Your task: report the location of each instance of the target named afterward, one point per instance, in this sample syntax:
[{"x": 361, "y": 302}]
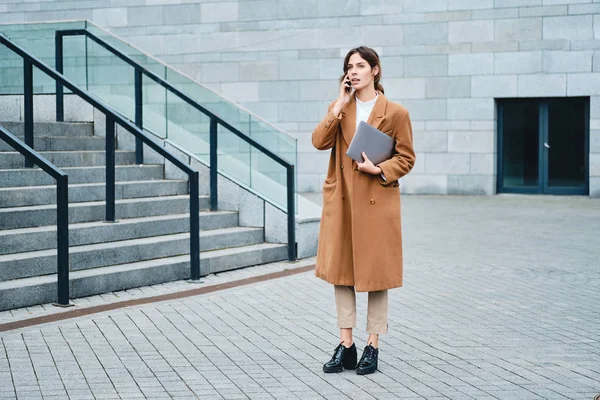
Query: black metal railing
[
  {"x": 62, "y": 208},
  {"x": 215, "y": 120},
  {"x": 112, "y": 118}
]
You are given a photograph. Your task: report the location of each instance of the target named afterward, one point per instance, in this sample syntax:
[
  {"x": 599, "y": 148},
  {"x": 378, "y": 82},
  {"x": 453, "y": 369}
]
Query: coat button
[
  {"x": 342, "y": 166},
  {"x": 372, "y": 201},
  {"x": 343, "y": 197}
]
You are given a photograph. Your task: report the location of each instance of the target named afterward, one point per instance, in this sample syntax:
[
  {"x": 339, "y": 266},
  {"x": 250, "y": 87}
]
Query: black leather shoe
[
  {"x": 368, "y": 361},
  {"x": 343, "y": 357}
]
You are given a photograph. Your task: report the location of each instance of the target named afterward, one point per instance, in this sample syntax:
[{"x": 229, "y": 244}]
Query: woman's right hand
[{"x": 344, "y": 96}]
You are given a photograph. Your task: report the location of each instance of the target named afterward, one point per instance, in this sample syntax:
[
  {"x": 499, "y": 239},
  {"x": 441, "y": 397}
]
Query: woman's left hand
[{"x": 368, "y": 166}]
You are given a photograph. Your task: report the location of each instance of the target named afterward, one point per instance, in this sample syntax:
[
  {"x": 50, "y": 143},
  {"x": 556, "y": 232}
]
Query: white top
[{"x": 363, "y": 109}]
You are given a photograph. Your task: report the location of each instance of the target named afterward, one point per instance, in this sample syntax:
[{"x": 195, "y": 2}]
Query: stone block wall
[{"x": 446, "y": 60}]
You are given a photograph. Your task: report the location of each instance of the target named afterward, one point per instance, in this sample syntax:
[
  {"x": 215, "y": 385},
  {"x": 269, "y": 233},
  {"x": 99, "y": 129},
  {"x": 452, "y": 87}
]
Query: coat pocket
[{"x": 329, "y": 188}]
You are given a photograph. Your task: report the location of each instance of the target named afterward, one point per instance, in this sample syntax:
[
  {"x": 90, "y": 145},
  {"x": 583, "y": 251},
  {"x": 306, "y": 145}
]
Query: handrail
[
  {"x": 113, "y": 117},
  {"x": 215, "y": 120},
  {"x": 62, "y": 210}
]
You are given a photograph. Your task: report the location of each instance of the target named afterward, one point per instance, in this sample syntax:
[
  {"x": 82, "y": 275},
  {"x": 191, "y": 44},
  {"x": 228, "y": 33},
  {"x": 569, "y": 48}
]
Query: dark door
[
  {"x": 565, "y": 146},
  {"x": 543, "y": 146}
]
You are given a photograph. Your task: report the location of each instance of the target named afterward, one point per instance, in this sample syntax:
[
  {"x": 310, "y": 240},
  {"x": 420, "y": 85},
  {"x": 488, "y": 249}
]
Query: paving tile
[{"x": 499, "y": 301}]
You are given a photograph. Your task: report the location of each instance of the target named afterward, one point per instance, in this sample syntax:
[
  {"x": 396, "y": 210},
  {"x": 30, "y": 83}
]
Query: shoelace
[
  {"x": 337, "y": 351},
  {"x": 369, "y": 352}
]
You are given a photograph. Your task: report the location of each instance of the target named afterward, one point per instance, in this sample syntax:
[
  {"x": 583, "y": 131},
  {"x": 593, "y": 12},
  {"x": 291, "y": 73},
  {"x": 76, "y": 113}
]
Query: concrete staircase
[{"x": 149, "y": 244}]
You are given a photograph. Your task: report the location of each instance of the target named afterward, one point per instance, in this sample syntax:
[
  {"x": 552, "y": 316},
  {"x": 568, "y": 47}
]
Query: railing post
[
  {"x": 214, "y": 199},
  {"x": 58, "y": 60},
  {"x": 139, "y": 116},
  {"x": 87, "y": 66},
  {"x": 62, "y": 236},
  {"x": 194, "y": 226},
  {"x": 291, "y": 212},
  {"x": 28, "y": 103},
  {"x": 110, "y": 168}
]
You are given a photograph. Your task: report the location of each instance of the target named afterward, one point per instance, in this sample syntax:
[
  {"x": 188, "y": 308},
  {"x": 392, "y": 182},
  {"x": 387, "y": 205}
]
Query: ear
[{"x": 375, "y": 70}]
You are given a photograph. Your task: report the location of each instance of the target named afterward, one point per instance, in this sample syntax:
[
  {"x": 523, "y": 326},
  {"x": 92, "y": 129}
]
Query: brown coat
[{"x": 360, "y": 240}]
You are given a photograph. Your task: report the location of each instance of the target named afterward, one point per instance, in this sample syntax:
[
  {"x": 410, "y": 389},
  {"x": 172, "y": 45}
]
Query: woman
[{"x": 360, "y": 242}]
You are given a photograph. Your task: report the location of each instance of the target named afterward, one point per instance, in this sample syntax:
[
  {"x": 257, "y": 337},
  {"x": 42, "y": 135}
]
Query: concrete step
[
  {"x": 61, "y": 143},
  {"x": 42, "y": 289},
  {"x": 44, "y": 237},
  {"x": 36, "y": 263},
  {"x": 37, "y": 177},
  {"x": 9, "y": 160},
  {"x": 38, "y": 195},
  {"x": 71, "y": 129},
  {"x": 30, "y": 216}
]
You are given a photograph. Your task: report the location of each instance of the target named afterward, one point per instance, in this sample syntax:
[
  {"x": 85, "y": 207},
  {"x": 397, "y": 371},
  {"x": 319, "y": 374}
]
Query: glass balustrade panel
[
  {"x": 187, "y": 127},
  {"x": 93, "y": 67},
  {"x": 39, "y": 39},
  {"x": 111, "y": 79}
]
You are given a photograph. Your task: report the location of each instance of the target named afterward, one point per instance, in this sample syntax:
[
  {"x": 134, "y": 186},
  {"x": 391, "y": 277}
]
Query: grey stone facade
[{"x": 445, "y": 60}]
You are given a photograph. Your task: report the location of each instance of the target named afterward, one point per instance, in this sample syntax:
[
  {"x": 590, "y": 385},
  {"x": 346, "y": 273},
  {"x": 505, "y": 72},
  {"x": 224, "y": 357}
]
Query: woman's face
[{"x": 360, "y": 72}]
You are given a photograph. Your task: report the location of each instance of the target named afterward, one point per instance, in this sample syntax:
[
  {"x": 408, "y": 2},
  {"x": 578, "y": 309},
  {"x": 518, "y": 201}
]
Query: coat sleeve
[
  {"x": 404, "y": 157},
  {"x": 324, "y": 135}
]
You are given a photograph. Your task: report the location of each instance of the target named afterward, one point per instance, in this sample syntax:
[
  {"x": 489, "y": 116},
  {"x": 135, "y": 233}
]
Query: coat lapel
[
  {"x": 378, "y": 113},
  {"x": 349, "y": 120}
]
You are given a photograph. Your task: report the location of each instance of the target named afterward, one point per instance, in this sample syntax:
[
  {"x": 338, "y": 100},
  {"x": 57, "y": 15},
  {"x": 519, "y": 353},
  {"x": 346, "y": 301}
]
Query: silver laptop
[{"x": 377, "y": 145}]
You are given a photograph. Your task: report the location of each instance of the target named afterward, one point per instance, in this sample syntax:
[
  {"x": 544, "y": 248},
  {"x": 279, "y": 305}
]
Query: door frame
[{"x": 543, "y": 132}]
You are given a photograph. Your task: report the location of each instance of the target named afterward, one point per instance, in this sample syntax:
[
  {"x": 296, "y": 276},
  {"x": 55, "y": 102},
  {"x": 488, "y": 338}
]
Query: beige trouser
[{"x": 377, "y": 311}]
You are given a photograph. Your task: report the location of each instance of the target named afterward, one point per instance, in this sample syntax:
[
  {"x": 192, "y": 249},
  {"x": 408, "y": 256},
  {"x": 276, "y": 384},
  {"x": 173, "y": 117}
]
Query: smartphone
[{"x": 348, "y": 84}]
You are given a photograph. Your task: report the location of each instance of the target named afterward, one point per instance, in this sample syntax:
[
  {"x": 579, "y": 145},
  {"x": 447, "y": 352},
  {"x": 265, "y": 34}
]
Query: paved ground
[{"x": 501, "y": 301}]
